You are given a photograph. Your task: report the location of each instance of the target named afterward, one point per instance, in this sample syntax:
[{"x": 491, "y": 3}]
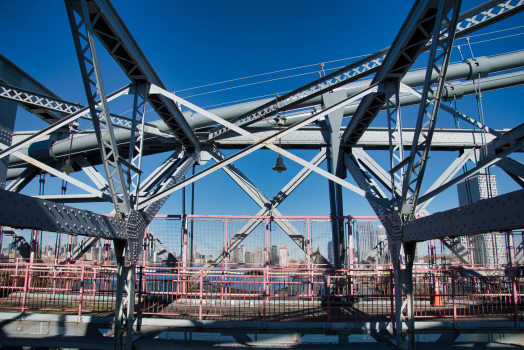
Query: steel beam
[
  {"x": 501, "y": 213},
  {"x": 447, "y": 175},
  {"x": 161, "y": 250},
  {"x": 23, "y": 180},
  {"x": 409, "y": 43},
  {"x": 424, "y": 130},
  {"x": 474, "y": 19},
  {"x": 22, "y": 211},
  {"x": 262, "y": 142},
  {"x": 267, "y": 206},
  {"x": 84, "y": 40},
  {"x": 271, "y": 208},
  {"x": 110, "y": 29}
]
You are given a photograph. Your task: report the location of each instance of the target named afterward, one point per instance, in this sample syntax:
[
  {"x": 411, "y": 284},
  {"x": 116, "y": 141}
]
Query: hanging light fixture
[
  {"x": 68, "y": 167},
  {"x": 280, "y": 167}
]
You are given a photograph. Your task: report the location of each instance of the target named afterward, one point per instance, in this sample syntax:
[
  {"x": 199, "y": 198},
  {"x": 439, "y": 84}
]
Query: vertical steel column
[
  {"x": 404, "y": 286},
  {"x": 120, "y": 252},
  {"x": 512, "y": 263},
  {"x": 136, "y": 142},
  {"x": 130, "y": 303},
  {"x": 90, "y": 68},
  {"x": 7, "y": 124},
  {"x": 336, "y": 167}
]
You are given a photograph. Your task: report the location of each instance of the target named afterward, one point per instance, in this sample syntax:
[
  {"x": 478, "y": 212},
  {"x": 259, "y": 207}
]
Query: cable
[
  {"x": 277, "y": 71},
  {"x": 302, "y": 74},
  {"x": 321, "y": 63}
]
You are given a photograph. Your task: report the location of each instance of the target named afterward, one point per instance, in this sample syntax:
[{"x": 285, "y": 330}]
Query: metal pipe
[{"x": 87, "y": 142}]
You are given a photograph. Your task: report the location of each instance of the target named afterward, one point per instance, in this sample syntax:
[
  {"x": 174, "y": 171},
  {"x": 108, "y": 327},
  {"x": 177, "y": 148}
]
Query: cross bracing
[{"x": 299, "y": 124}]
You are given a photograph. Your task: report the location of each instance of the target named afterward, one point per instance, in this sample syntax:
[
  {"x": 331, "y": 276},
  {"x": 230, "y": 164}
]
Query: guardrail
[{"x": 262, "y": 293}]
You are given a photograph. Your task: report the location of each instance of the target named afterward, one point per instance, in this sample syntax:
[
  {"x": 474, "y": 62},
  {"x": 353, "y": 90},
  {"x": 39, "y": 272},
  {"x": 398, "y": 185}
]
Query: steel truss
[
  {"x": 94, "y": 86},
  {"x": 136, "y": 202}
]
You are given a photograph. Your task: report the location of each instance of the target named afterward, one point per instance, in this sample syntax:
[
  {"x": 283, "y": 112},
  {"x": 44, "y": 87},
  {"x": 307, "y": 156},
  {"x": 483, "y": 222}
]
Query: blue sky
[{"x": 194, "y": 43}]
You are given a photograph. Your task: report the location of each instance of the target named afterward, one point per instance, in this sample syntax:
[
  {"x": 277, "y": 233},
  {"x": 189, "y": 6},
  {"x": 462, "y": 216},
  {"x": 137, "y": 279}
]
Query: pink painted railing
[{"x": 261, "y": 293}]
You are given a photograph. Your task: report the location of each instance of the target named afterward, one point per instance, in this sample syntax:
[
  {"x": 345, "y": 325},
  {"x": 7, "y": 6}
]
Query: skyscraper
[
  {"x": 284, "y": 256},
  {"x": 273, "y": 257},
  {"x": 488, "y": 249},
  {"x": 242, "y": 255}
]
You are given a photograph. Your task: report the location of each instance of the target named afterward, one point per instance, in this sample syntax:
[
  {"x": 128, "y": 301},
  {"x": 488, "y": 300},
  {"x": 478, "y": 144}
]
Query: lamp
[
  {"x": 280, "y": 167},
  {"x": 68, "y": 167}
]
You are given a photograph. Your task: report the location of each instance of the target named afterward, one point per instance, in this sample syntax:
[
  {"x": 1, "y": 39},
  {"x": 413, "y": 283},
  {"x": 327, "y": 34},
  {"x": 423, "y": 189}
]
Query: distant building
[
  {"x": 242, "y": 254},
  {"x": 273, "y": 255},
  {"x": 247, "y": 258},
  {"x": 260, "y": 257},
  {"x": 284, "y": 257},
  {"x": 488, "y": 249},
  {"x": 235, "y": 255}
]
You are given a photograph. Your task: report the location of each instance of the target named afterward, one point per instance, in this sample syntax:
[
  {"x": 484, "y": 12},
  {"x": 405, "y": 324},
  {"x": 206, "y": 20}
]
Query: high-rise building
[
  {"x": 273, "y": 256},
  {"x": 488, "y": 249},
  {"x": 235, "y": 255},
  {"x": 242, "y": 255},
  {"x": 260, "y": 256},
  {"x": 247, "y": 259},
  {"x": 284, "y": 256}
]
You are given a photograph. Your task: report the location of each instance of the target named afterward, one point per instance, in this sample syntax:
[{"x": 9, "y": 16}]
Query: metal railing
[{"x": 262, "y": 294}]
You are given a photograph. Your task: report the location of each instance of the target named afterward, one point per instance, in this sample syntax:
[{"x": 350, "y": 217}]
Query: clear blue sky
[{"x": 193, "y": 43}]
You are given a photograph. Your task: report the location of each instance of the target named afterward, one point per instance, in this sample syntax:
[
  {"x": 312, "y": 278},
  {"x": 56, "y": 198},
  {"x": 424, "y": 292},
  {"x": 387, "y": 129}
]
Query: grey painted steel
[
  {"x": 152, "y": 207},
  {"x": 447, "y": 175},
  {"x": 23, "y": 180},
  {"x": 391, "y": 224},
  {"x": 161, "y": 251},
  {"x": 13, "y": 75},
  {"x": 136, "y": 142},
  {"x": 409, "y": 43},
  {"x": 94, "y": 86},
  {"x": 493, "y": 157},
  {"x": 261, "y": 200},
  {"x": 35, "y": 103},
  {"x": 91, "y": 171},
  {"x": 17, "y": 241},
  {"x": 413, "y": 79},
  {"x": 260, "y": 143},
  {"x": 22, "y": 211},
  {"x": 165, "y": 169},
  {"x": 110, "y": 29},
  {"x": 335, "y": 165},
  {"x": 469, "y": 21},
  {"x": 311, "y": 137},
  {"x": 501, "y": 213},
  {"x": 512, "y": 166},
  {"x": 420, "y": 149},
  {"x": 88, "y": 141},
  {"x": 73, "y": 198},
  {"x": 270, "y": 210},
  {"x": 81, "y": 248}
]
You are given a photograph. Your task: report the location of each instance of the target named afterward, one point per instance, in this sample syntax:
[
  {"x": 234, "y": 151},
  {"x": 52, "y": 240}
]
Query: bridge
[{"x": 134, "y": 278}]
